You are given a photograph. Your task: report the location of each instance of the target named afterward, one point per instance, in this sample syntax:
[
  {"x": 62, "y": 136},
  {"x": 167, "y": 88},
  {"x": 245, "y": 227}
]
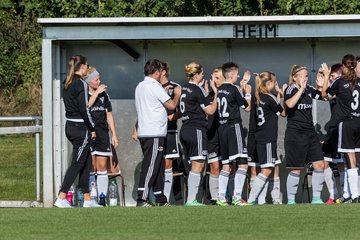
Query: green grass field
[
  {"x": 17, "y": 182},
  {"x": 301, "y": 221},
  {"x": 17, "y": 167}
]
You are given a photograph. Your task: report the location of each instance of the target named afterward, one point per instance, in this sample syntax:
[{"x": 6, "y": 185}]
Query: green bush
[{"x": 20, "y": 35}]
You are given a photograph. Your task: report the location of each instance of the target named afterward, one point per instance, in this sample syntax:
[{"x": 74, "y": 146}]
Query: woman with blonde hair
[
  {"x": 268, "y": 109},
  {"x": 101, "y": 112},
  {"x": 302, "y": 145},
  {"x": 195, "y": 105},
  {"x": 214, "y": 155}
]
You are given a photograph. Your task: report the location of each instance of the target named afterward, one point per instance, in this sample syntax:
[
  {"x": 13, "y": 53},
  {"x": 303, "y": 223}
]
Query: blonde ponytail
[{"x": 260, "y": 84}]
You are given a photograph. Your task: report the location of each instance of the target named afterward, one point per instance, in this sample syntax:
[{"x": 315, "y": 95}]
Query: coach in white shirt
[{"x": 151, "y": 102}]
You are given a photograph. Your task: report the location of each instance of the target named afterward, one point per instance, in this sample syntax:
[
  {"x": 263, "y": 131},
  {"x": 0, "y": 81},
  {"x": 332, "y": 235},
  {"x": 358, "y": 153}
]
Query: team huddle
[{"x": 212, "y": 132}]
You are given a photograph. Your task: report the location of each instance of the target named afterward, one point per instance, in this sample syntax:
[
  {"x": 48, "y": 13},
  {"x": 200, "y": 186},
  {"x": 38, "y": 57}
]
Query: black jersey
[
  {"x": 300, "y": 116},
  {"x": 99, "y": 110},
  {"x": 170, "y": 86},
  {"x": 230, "y": 99},
  {"x": 268, "y": 112},
  {"x": 347, "y": 102},
  {"x": 76, "y": 101},
  {"x": 192, "y": 103}
]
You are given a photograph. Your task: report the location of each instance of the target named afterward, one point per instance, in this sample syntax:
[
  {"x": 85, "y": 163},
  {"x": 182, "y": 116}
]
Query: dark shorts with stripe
[
  {"x": 330, "y": 146},
  {"x": 101, "y": 146},
  {"x": 267, "y": 154},
  {"x": 214, "y": 148},
  {"x": 349, "y": 136},
  {"x": 194, "y": 142},
  {"x": 253, "y": 159},
  {"x": 232, "y": 144},
  {"x": 172, "y": 146},
  {"x": 301, "y": 148}
]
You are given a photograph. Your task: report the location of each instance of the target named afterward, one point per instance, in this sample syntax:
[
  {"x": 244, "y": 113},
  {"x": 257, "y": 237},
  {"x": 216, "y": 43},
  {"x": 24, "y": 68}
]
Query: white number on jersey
[
  {"x": 182, "y": 104},
  {"x": 261, "y": 117},
  {"x": 223, "y": 103},
  {"x": 355, "y": 104}
]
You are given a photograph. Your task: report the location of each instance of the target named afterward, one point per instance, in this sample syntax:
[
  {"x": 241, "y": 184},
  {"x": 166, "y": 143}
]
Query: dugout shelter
[{"x": 119, "y": 48}]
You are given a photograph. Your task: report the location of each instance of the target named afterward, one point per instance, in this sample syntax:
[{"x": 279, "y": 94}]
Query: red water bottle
[{"x": 69, "y": 197}]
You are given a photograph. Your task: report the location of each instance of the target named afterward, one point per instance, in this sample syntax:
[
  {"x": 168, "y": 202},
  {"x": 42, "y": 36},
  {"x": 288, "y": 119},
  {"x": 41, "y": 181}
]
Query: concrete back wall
[{"x": 121, "y": 73}]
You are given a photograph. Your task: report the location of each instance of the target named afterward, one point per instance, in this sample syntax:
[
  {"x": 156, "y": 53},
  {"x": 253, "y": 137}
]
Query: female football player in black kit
[
  {"x": 101, "y": 112},
  {"x": 79, "y": 130},
  {"x": 213, "y": 140},
  {"x": 302, "y": 144},
  {"x": 232, "y": 136},
  {"x": 268, "y": 108},
  {"x": 195, "y": 104},
  {"x": 347, "y": 89}
]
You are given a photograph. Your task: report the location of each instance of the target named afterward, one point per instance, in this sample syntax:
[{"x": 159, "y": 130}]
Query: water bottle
[
  {"x": 92, "y": 179},
  {"x": 69, "y": 196},
  {"x": 113, "y": 194},
  {"x": 80, "y": 198},
  {"x": 102, "y": 199},
  {"x": 93, "y": 192},
  {"x": 74, "y": 200}
]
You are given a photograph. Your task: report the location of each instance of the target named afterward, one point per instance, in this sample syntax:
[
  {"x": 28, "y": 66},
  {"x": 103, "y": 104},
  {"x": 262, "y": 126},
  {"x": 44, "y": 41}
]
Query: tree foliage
[{"x": 20, "y": 35}]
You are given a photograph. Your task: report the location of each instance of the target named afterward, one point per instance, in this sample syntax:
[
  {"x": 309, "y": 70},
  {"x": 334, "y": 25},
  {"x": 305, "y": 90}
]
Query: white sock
[
  {"x": 317, "y": 182},
  {"x": 239, "y": 181},
  {"x": 102, "y": 182},
  {"x": 353, "y": 182},
  {"x": 292, "y": 184},
  {"x": 168, "y": 181},
  {"x": 258, "y": 186},
  {"x": 223, "y": 183},
  {"x": 214, "y": 186},
  {"x": 346, "y": 190},
  {"x": 275, "y": 190},
  {"x": 252, "y": 182},
  {"x": 263, "y": 193},
  {"x": 330, "y": 183},
  {"x": 193, "y": 186}
]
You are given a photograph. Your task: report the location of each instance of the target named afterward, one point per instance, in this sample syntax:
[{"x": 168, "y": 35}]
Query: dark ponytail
[{"x": 349, "y": 74}]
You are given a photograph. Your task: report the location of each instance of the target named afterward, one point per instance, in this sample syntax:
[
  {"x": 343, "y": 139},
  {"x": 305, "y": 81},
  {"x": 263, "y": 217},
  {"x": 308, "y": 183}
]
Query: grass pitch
[
  {"x": 302, "y": 221},
  {"x": 17, "y": 167}
]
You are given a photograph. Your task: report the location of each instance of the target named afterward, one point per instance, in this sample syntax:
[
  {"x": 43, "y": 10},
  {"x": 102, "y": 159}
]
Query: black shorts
[
  {"x": 213, "y": 148},
  {"x": 349, "y": 136},
  {"x": 267, "y": 154},
  {"x": 232, "y": 143},
  {"x": 302, "y": 147},
  {"x": 330, "y": 146},
  {"x": 101, "y": 146},
  {"x": 194, "y": 142},
  {"x": 172, "y": 146},
  {"x": 253, "y": 159}
]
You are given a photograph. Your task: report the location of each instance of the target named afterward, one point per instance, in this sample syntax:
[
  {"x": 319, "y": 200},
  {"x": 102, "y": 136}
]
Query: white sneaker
[
  {"x": 62, "y": 203},
  {"x": 91, "y": 204}
]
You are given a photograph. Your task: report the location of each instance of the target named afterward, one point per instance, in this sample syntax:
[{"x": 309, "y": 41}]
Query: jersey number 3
[
  {"x": 355, "y": 103},
  {"x": 261, "y": 118}
]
